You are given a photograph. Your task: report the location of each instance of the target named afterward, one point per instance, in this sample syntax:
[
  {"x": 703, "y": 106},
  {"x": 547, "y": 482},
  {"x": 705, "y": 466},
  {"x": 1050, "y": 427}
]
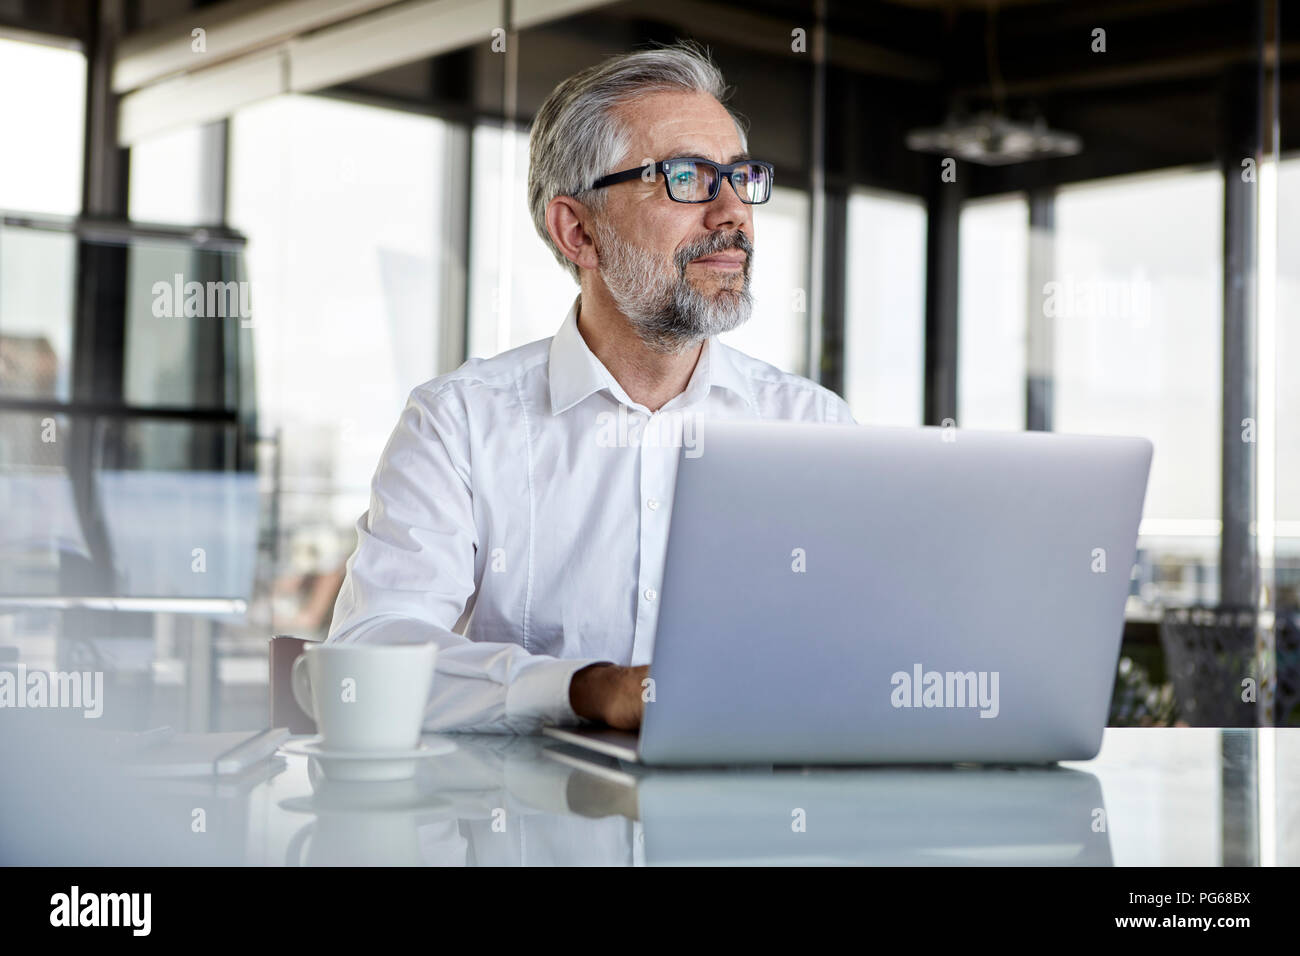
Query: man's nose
[{"x": 726, "y": 209}]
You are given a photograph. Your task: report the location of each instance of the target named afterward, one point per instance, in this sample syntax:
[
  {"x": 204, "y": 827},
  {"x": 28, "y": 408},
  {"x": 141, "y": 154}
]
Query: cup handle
[{"x": 300, "y": 683}]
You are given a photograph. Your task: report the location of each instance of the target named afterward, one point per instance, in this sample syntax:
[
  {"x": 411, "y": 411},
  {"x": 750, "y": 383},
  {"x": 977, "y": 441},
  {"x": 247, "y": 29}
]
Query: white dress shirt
[{"x": 519, "y": 519}]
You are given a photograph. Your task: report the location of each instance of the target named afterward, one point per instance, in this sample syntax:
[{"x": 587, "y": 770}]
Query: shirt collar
[{"x": 575, "y": 372}]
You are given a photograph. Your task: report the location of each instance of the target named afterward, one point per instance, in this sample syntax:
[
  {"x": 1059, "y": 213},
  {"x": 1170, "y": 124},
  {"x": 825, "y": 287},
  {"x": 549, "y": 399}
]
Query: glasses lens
[
  {"x": 690, "y": 181},
  {"x": 752, "y": 182}
]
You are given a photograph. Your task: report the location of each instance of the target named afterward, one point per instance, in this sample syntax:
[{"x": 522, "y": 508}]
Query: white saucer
[
  {"x": 311, "y": 747},
  {"x": 369, "y": 764},
  {"x": 362, "y": 804}
]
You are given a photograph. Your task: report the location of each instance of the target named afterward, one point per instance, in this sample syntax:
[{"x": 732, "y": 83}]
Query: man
[{"x": 525, "y": 499}]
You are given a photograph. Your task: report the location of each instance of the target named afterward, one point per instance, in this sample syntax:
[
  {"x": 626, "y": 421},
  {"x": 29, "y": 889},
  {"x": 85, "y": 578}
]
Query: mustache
[{"x": 714, "y": 243}]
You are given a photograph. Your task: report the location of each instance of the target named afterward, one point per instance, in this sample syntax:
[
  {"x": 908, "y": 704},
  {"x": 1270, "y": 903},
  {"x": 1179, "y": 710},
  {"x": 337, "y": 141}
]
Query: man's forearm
[{"x": 483, "y": 687}]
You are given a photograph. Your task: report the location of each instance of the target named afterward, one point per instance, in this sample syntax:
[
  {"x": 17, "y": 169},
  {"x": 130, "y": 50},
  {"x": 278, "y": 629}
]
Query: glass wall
[
  {"x": 884, "y": 335},
  {"x": 167, "y": 178},
  {"x": 1138, "y": 330},
  {"x": 992, "y": 313},
  {"x": 37, "y": 271},
  {"x": 1285, "y": 319},
  {"x": 37, "y": 267},
  {"x": 518, "y": 292},
  {"x": 49, "y": 109},
  {"x": 344, "y": 213},
  {"x": 42, "y": 119}
]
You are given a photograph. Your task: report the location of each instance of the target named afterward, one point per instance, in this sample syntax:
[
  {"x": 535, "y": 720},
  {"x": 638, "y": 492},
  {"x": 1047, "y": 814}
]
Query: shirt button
[
  {"x": 651, "y": 594},
  {"x": 652, "y": 504}
]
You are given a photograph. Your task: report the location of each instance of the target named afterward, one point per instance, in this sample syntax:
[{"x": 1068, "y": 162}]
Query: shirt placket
[{"x": 655, "y": 495}]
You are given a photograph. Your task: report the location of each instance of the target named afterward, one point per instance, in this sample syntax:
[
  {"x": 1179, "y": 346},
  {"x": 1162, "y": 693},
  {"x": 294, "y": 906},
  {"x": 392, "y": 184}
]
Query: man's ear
[{"x": 565, "y": 219}]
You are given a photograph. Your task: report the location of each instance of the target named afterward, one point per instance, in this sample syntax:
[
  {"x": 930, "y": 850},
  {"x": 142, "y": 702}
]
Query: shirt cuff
[{"x": 542, "y": 692}]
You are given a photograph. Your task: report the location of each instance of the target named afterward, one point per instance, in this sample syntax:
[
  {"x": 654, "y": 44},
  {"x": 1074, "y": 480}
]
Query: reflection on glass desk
[{"x": 1187, "y": 796}]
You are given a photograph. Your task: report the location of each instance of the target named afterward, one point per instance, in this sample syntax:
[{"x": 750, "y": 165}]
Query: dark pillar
[
  {"x": 834, "y": 314},
  {"x": 99, "y": 324},
  {"x": 817, "y": 349},
  {"x": 1040, "y": 371},
  {"x": 941, "y": 273},
  {"x": 1241, "y": 110}
]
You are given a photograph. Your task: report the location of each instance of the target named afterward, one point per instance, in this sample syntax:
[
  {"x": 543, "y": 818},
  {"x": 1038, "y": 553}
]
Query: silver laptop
[{"x": 842, "y": 594}]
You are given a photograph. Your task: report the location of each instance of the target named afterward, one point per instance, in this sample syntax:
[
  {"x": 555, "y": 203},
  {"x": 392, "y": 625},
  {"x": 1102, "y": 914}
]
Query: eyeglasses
[{"x": 690, "y": 179}]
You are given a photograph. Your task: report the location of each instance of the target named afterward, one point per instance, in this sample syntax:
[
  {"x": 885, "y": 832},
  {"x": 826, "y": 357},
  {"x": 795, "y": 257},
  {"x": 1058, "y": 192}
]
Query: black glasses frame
[{"x": 723, "y": 170}]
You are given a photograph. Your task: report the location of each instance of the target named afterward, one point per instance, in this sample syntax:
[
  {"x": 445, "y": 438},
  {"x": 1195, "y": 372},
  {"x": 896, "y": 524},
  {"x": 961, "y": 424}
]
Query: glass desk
[{"x": 1152, "y": 797}]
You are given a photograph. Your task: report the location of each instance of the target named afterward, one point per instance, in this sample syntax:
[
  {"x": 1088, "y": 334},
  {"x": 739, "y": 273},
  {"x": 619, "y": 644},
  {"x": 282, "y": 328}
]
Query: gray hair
[{"x": 576, "y": 137}]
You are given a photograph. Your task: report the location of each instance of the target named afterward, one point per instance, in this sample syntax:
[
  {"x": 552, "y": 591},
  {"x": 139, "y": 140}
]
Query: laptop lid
[{"x": 843, "y": 594}]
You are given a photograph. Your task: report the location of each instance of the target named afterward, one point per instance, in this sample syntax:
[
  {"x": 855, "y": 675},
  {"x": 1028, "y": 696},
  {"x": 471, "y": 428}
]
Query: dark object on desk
[
  {"x": 285, "y": 711},
  {"x": 1210, "y": 651}
]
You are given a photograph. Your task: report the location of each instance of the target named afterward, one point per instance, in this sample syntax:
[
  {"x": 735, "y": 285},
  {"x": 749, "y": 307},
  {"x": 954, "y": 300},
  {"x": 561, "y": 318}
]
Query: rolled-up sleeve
[{"x": 412, "y": 575}]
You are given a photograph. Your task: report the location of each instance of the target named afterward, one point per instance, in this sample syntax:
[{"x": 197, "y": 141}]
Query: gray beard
[{"x": 667, "y": 313}]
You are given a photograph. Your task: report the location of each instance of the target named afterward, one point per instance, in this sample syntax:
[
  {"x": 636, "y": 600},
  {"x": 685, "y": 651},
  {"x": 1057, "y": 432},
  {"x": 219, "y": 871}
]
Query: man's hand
[{"x": 609, "y": 693}]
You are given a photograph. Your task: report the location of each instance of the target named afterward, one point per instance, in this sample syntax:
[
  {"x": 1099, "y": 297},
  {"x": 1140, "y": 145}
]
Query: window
[
  {"x": 884, "y": 352},
  {"x": 1138, "y": 350},
  {"x": 518, "y": 293},
  {"x": 1286, "y": 414},
  {"x": 42, "y": 114},
  {"x": 166, "y": 178},
  {"x": 993, "y": 241},
  {"x": 36, "y": 312},
  {"x": 342, "y": 207}
]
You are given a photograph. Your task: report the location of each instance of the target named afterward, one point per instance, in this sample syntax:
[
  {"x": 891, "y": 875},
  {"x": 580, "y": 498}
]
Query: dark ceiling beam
[
  {"x": 1149, "y": 71},
  {"x": 70, "y": 19},
  {"x": 764, "y": 33},
  {"x": 1105, "y": 13}
]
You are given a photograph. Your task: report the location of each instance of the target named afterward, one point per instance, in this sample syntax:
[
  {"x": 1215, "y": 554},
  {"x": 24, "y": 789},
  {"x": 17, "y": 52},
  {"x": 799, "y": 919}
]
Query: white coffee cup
[{"x": 365, "y": 696}]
